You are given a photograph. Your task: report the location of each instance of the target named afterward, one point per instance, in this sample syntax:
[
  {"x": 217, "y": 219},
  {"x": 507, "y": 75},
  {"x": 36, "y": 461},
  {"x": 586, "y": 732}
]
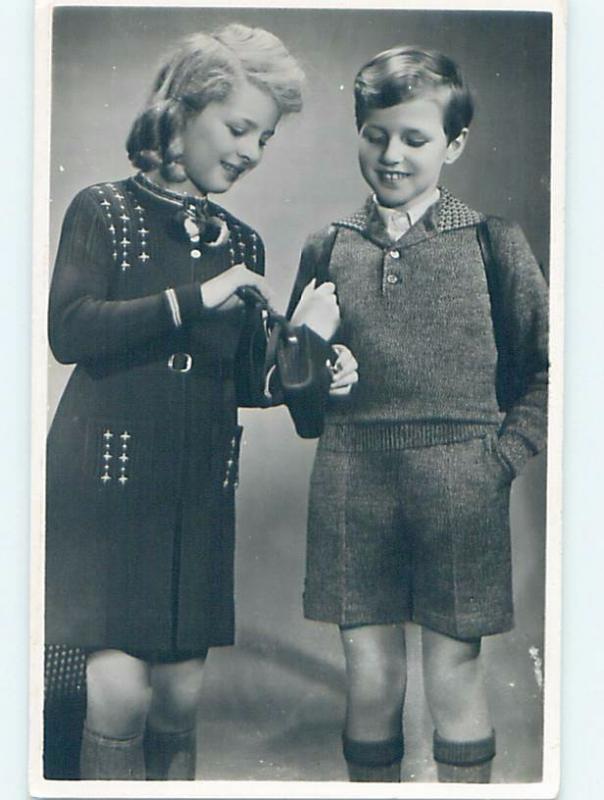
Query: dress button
[
  {"x": 394, "y": 254},
  {"x": 195, "y": 253},
  {"x": 392, "y": 278}
]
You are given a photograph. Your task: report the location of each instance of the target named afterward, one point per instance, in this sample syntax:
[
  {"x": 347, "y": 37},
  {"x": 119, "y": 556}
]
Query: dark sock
[
  {"x": 464, "y": 762},
  {"x": 378, "y": 762},
  {"x": 449, "y": 773},
  {"x": 107, "y": 758},
  {"x": 170, "y": 756}
]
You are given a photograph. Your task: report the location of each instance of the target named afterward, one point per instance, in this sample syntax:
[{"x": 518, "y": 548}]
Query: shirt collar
[{"x": 397, "y": 221}]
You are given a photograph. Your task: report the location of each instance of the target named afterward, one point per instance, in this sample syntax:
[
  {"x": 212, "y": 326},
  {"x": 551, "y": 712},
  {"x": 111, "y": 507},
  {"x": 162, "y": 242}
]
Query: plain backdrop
[{"x": 582, "y": 729}]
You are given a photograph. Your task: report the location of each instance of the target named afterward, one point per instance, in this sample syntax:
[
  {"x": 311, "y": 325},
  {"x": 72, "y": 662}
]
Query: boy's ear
[{"x": 456, "y": 146}]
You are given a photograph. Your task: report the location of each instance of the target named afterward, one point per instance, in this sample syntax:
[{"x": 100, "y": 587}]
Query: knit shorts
[{"x": 417, "y": 534}]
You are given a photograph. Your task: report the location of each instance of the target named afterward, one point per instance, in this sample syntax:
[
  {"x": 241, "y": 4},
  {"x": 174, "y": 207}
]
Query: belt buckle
[{"x": 180, "y": 362}]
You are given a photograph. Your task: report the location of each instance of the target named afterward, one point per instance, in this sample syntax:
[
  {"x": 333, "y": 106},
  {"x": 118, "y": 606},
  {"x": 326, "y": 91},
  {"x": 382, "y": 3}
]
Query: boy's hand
[
  {"x": 344, "y": 372},
  {"x": 318, "y": 309},
  {"x": 219, "y": 292}
]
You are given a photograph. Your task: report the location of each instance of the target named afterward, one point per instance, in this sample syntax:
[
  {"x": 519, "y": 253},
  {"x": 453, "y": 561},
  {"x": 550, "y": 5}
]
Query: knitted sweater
[{"x": 416, "y": 313}]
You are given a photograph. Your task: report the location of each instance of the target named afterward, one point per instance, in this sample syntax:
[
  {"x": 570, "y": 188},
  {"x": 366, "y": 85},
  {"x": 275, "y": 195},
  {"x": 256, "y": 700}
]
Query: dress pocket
[
  {"x": 118, "y": 454},
  {"x": 230, "y": 479}
]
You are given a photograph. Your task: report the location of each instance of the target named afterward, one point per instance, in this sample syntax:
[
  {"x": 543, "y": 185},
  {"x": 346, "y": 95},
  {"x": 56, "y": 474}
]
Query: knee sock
[
  {"x": 170, "y": 756},
  {"x": 106, "y": 758},
  {"x": 464, "y": 762},
  {"x": 378, "y": 762}
]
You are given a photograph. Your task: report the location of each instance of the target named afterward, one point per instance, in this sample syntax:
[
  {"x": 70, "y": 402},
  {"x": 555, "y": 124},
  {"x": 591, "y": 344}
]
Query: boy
[{"x": 409, "y": 500}]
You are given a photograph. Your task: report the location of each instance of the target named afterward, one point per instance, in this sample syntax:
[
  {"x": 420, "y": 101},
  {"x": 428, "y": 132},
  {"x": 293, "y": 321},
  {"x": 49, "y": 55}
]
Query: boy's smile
[{"x": 402, "y": 150}]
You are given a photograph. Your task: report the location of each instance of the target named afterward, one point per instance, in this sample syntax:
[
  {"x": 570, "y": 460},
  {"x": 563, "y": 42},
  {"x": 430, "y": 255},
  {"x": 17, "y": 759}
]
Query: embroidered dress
[{"x": 142, "y": 452}]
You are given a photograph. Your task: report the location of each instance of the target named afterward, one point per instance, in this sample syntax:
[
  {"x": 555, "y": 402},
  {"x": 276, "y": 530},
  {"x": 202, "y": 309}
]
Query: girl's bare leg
[
  {"x": 170, "y": 738},
  {"x": 118, "y": 701}
]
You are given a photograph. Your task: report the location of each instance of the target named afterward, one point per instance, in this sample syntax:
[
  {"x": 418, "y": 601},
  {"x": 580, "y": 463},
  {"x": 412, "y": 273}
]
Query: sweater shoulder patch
[
  {"x": 452, "y": 213},
  {"x": 245, "y": 245},
  {"x": 356, "y": 221}
]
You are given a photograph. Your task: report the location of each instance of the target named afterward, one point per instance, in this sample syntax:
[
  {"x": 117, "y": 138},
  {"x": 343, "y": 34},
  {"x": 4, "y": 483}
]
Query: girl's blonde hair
[{"x": 203, "y": 68}]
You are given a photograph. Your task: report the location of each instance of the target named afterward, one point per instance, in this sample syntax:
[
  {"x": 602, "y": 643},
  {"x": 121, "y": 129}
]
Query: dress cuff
[{"x": 184, "y": 303}]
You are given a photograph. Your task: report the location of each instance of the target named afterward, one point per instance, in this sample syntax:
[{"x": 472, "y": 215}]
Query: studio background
[{"x": 273, "y": 706}]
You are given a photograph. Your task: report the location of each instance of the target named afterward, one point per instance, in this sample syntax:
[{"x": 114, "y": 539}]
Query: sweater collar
[{"x": 448, "y": 213}]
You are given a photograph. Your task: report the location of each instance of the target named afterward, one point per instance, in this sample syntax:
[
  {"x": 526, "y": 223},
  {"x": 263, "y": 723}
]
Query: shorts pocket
[{"x": 491, "y": 446}]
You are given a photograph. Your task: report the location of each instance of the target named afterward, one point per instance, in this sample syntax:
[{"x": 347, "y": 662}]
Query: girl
[{"x": 143, "y": 450}]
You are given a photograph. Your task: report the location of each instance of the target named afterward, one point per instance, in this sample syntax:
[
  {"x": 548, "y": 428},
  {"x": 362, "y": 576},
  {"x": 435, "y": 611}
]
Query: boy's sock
[
  {"x": 106, "y": 758},
  {"x": 378, "y": 762},
  {"x": 464, "y": 762},
  {"x": 170, "y": 756}
]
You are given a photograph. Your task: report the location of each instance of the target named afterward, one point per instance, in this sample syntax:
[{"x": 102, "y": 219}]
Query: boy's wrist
[{"x": 514, "y": 451}]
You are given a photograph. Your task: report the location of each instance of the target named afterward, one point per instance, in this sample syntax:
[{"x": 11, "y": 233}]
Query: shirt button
[
  {"x": 392, "y": 278},
  {"x": 195, "y": 253},
  {"x": 394, "y": 254}
]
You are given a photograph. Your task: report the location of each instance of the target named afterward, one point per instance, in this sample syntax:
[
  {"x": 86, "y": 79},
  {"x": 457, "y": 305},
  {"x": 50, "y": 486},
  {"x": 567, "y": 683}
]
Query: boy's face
[
  {"x": 402, "y": 149},
  {"x": 226, "y": 139}
]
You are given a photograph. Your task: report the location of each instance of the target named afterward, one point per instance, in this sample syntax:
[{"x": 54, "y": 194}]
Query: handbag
[
  {"x": 250, "y": 359},
  {"x": 301, "y": 359}
]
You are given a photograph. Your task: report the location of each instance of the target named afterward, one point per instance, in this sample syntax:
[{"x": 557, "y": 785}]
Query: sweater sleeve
[
  {"x": 525, "y": 301},
  {"x": 315, "y": 253},
  {"x": 84, "y": 323}
]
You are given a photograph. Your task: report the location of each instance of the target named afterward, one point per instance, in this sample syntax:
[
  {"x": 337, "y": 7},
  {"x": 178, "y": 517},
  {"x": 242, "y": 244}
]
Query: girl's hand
[
  {"x": 219, "y": 292},
  {"x": 318, "y": 309},
  {"x": 344, "y": 372}
]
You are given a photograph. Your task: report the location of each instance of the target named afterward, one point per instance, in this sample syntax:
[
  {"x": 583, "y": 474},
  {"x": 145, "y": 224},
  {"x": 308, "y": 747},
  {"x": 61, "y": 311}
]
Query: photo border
[{"x": 548, "y": 787}]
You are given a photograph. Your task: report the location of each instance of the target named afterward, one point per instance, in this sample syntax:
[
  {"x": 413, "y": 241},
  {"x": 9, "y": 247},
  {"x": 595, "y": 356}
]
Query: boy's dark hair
[{"x": 403, "y": 73}]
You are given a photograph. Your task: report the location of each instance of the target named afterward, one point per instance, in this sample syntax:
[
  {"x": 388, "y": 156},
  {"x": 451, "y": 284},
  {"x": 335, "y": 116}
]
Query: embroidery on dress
[
  {"x": 231, "y": 475},
  {"x": 123, "y": 228},
  {"x": 115, "y": 457}
]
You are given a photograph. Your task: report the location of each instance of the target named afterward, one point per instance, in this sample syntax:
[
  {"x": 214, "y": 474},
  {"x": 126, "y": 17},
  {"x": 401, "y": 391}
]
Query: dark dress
[{"x": 142, "y": 453}]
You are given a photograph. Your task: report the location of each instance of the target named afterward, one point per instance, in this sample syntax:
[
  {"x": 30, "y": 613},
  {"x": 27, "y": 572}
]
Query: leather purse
[
  {"x": 250, "y": 361},
  {"x": 301, "y": 359}
]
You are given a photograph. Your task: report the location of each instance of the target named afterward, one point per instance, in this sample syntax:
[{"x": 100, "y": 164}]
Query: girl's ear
[{"x": 456, "y": 146}]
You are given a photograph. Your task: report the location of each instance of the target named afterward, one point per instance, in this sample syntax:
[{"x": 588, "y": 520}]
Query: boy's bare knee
[{"x": 444, "y": 653}]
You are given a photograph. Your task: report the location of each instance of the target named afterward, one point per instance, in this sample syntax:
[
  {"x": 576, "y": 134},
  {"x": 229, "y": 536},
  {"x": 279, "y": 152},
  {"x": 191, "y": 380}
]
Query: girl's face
[
  {"x": 403, "y": 148},
  {"x": 227, "y": 139}
]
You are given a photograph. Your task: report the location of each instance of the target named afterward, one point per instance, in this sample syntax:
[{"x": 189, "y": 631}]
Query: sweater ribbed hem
[{"x": 400, "y": 435}]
